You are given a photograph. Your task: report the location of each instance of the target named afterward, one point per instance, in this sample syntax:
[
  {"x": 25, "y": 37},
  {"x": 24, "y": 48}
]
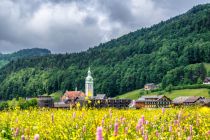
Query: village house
[
  {"x": 206, "y": 80},
  {"x": 187, "y": 100},
  {"x": 72, "y": 96},
  {"x": 153, "y": 101},
  {"x": 150, "y": 86},
  {"x": 45, "y": 101}
]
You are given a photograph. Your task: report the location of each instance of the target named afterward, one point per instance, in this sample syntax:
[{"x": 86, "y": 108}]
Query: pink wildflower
[
  {"x": 163, "y": 110},
  {"x": 208, "y": 133},
  {"x": 126, "y": 130},
  {"x": 116, "y": 129},
  {"x": 143, "y": 120},
  {"x": 190, "y": 129},
  {"x": 157, "y": 133},
  {"x": 84, "y": 129},
  {"x": 145, "y": 137},
  {"x": 22, "y": 137},
  {"x": 170, "y": 128},
  {"x": 189, "y": 138},
  {"x": 74, "y": 115},
  {"x": 16, "y": 132},
  {"x": 102, "y": 122},
  {"x": 36, "y": 137},
  {"x": 99, "y": 135}
]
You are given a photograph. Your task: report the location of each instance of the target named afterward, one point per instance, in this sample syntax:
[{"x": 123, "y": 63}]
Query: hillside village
[{"x": 75, "y": 98}]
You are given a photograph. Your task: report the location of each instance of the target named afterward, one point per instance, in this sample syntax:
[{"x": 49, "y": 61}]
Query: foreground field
[{"x": 187, "y": 123}]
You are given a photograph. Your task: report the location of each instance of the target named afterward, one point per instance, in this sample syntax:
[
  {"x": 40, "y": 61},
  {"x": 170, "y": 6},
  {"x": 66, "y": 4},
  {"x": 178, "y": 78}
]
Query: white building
[{"x": 89, "y": 91}]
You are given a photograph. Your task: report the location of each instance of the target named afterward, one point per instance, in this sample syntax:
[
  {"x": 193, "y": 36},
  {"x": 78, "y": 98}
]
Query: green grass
[
  {"x": 187, "y": 92},
  {"x": 56, "y": 96},
  {"x": 207, "y": 66},
  {"x": 130, "y": 95},
  {"x": 173, "y": 94}
]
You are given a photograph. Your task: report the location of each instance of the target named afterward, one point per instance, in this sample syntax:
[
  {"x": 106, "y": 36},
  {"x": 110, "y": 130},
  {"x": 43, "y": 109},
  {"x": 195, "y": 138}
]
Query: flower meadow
[{"x": 104, "y": 124}]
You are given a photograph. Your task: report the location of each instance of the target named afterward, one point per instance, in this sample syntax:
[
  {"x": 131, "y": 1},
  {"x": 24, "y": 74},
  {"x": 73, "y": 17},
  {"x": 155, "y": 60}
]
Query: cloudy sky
[{"x": 75, "y": 25}]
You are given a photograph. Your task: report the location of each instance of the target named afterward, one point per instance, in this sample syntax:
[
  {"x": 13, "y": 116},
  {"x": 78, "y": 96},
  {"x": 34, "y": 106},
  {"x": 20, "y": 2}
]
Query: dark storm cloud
[{"x": 75, "y": 25}]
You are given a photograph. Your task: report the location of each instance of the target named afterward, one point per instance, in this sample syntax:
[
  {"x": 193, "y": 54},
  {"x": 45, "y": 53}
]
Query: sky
[{"x": 76, "y": 25}]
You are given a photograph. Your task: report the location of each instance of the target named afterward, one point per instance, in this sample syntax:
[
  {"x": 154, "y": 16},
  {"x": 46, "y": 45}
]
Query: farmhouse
[
  {"x": 71, "y": 96},
  {"x": 207, "y": 80},
  {"x": 150, "y": 86},
  {"x": 187, "y": 100},
  {"x": 153, "y": 101}
]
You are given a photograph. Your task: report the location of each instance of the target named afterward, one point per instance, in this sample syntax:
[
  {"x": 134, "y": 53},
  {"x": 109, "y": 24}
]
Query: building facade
[
  {"x": 153, "y": 101},
  {"x": 150, "y": 86}
]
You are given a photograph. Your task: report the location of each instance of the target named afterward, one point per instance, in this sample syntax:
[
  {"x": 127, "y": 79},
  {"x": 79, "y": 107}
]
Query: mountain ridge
[{"x": 123, "y": 64}]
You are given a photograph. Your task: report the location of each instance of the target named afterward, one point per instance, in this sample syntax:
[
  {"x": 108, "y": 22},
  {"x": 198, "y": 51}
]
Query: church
[{"x": 72, "y": 96}]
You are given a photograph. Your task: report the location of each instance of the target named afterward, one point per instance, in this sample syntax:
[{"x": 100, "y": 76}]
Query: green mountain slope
[
  {"x": 25, "y": 53},
  {"x": 3, "y": 63},
  {"x": 156, "y": 54}
]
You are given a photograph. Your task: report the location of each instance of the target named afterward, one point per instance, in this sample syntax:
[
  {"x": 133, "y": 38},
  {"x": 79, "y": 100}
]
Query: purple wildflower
[
  {"x": 22, "y": 137},
  {"x": 36, "y": 137},
  {"x": 189, "y": 138},
  {"x": 163, "y": 110},
  {"x": 157, "y": 133},
  {"x": 143, "y": 120},
  {"x": 208, "y": 133},
  {"x": 126, "y": 130},
  {"x": 191, "y": 129},
  {"x": 99, "y": 135},
  {"x": 102, "y": 122},
  {"x": 116, "y": 129},
  {"x": 16, "y": 132}
]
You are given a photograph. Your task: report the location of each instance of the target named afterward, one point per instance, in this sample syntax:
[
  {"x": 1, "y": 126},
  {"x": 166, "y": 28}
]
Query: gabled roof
[
  {"x": 186, "y": 99},
  {"x": 149, "y": 84},
  {"x": 157, "y": 97},
  {"x": 192, "y": 99},
  {"x": 100, "y": 96},
  {"x": 180, "y": 99},
  {"x": 207, "y": 79},
  {"x": 73, "y": 94}
]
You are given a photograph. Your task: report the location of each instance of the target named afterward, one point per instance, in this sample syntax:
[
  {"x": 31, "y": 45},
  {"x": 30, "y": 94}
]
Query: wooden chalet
[
  {"x": 153, "y": 101},
  {"x": 150, "y": 86},
  {"x": 188, "y": 100},
  {"x": 206, "y": 80}
]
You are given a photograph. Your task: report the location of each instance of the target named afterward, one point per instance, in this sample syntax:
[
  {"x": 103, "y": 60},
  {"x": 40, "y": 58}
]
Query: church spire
[{"x": 89, "y": 84}]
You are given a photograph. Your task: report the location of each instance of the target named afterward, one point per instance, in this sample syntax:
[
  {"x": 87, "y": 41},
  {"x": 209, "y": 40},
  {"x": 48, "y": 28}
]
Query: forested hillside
[
  {"x": 160, "y": 54},
  {"x": 24, "y": 53}
]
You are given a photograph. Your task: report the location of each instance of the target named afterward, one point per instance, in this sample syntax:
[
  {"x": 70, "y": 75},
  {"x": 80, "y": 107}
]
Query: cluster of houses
[
  {"x": 72, "y": 98},
  {"x": 157, "y": 101}
]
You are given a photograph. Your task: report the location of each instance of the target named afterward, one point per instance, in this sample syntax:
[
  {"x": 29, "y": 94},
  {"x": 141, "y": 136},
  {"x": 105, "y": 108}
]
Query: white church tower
[{"x": 89, "y": 85}]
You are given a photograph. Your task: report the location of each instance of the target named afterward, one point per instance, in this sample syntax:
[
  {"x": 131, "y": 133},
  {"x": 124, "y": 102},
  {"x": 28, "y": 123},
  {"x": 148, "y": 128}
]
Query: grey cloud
[{"x": 75, "y": 25}]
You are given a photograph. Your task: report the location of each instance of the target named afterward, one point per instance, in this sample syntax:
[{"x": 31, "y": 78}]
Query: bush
[{"x": 4, "y": 105}]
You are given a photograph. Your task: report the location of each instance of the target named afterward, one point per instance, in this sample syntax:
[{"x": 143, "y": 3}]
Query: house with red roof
[{"x": 72, "y": 96}]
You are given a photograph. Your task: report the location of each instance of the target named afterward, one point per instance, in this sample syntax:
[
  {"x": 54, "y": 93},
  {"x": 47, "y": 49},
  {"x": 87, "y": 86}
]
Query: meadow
[{"x": 104, "y": 124}]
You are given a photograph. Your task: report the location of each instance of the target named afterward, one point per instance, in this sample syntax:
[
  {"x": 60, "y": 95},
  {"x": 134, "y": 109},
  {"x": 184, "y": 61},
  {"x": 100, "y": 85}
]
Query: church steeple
[{"x": 89, "y": 84}]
